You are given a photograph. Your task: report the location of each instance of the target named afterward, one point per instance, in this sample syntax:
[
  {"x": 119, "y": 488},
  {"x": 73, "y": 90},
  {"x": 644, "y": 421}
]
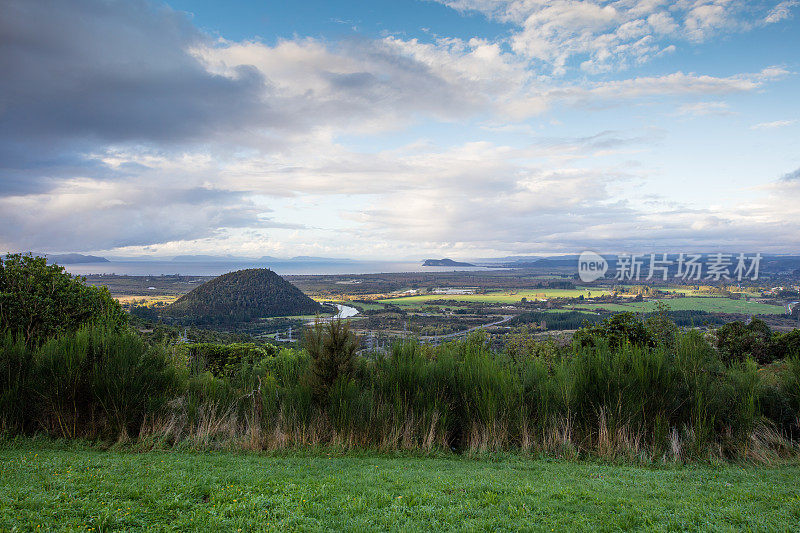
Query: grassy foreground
[{"x": 45, "y": 487}]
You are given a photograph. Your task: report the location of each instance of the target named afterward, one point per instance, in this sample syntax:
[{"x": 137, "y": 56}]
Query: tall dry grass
[{"x": 674, "y": 402}]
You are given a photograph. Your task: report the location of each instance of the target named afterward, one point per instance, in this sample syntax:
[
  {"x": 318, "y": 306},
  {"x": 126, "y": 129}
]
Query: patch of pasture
[
  {"x": 709, "y": 304},
  {"x": 498, "y": 297}
]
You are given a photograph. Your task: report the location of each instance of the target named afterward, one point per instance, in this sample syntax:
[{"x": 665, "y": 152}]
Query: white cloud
[
  {"x": 772, "y": 125},
  {"x": 781, "y": 12},
  {"x": 616, "y": 92},
  {"x": 705, "y": 108},
  {"x": 602, "y": 36},
  {"x": 366, "y": 89}
]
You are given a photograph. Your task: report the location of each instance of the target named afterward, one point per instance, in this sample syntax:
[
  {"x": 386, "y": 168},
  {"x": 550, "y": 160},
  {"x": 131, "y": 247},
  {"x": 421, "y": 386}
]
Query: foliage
[
  {"x": 93, "y": 382},
  {"x": 225, "y": 359},
  {"x": 660, "y": 325},
  {"x": 790, "y": 389},
  {"x": 618, "y": 330},
  {"x": 332, "y": 347},
  {"x": 737, "y": 342},
  {"x": 159, "y": 333},
  {"x": 15, "y": 381},
  {"x": 619, "y": 390},
  {"x": 556, "y": 320},
  {"x": 39, "y": 301},
  {"x": 688, "y": 318},
  {"x": 787, "y": 344},
  {"x": 522, "y": 344}
]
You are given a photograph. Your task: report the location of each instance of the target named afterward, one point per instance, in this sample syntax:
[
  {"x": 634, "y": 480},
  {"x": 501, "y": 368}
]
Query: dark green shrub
[
  {"x": 332, "y": 347},
  {"x": 661, "y": 327},
  {"x": 39, "y": 301},
  {"x": 100, "y": 382},
  {"x": 630, "y": 387},
  {"x": 787, "y": 344},
  {"x": 227, "y": 359},
  {"x": 16, "y": 368},
  {"x": 775, "y": 403},
  {"x": 791, "y": 386},
  {"x": 617, "y": 330},
  {"x": 736, "y": 342}
]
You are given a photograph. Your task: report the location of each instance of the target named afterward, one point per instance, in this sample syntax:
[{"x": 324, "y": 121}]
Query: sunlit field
[
  {"x": 146, "y": 300},
  {"x": 46, "y": 488},
  {"x": 696, "y": 303},
  {"x": 497, "y": 297}
]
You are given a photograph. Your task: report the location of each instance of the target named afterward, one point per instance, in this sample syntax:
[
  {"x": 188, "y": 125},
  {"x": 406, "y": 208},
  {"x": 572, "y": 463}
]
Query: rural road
[{"x": 506, "y": 318}]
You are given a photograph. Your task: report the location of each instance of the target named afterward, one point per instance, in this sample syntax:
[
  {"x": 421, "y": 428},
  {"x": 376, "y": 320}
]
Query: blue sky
[{"x": 400, "y": 129}]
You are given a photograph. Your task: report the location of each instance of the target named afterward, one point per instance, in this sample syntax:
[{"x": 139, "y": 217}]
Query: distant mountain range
[
  {"x": 771, "y": 263},
  {"x": 211, "y": 258},
  {"x": 73, "y": 259},
  {"x": 262, "y": 259},
  {"x": 445, "y": 263}
]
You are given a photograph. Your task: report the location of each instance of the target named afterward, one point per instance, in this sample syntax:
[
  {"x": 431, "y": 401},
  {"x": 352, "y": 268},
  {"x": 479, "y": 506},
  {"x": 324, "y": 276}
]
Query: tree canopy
[{"x": 40, "y": 301}]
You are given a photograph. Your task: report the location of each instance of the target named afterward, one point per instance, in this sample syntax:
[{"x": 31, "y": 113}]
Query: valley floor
[{"x": 62, "y": 486}]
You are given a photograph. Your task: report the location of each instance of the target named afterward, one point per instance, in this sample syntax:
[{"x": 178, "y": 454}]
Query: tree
[
  {"x": 788, "y": 344},
  {"x": 332, "y": 347},
  {"x": 39, "y": 301},
  {"x": 620, "y": 329},
  {"x": 737, "y": 342},
  {"x": 663, "y": 330}
]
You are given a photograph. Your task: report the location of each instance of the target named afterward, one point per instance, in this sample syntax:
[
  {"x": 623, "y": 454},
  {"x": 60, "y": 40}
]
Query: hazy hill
[
  {"x": 71, "y": 259},
  {"x": 242, "y": 296},
  {"x": 445, "y": 263},
  {"x": 210, "y": 258}
]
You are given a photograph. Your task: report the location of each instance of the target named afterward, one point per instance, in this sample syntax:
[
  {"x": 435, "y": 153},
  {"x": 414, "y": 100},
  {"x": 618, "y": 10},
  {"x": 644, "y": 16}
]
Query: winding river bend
[{"x": 345, "y": 311}]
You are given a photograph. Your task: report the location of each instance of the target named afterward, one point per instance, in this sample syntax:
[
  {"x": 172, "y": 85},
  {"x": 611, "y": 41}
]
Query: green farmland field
[
  {"x": 366, "y": 306},
  {"x": 496, "y": 297},
  {"x": 695, "y": 303},
  {"x": 44, "y": 488}
]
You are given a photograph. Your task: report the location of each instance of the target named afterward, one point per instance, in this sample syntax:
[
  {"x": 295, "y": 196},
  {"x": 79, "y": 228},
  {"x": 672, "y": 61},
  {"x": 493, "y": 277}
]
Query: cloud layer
[
  {"x": 124, "y": 127},
  {"x": 601, "y": 35}
]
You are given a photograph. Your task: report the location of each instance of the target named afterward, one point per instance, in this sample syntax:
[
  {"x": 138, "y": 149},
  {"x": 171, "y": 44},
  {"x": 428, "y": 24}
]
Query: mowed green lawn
[
  {"x": 50, "y": 489},
  {"x": 496, "y": 297},
  {"x": 697, "y": 303}
]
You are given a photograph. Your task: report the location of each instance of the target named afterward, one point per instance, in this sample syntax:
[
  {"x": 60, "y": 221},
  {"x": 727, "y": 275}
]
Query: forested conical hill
[{"x": 242, "y": 296}]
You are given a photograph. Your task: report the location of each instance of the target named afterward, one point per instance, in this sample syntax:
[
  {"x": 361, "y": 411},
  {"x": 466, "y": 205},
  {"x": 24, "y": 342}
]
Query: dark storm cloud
[
  {"x": 86, "y": 80},
  {"x": 81, "y": 75},
  {"x": 115, "y": 72}
]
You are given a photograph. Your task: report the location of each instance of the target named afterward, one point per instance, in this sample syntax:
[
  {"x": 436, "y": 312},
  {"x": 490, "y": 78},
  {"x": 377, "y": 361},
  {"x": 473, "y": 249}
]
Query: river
[{"x": 345, "y": 311}]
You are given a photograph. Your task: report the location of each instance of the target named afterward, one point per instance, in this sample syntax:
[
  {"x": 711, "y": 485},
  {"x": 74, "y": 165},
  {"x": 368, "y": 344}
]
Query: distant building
[{"x": 448, "y": 290}]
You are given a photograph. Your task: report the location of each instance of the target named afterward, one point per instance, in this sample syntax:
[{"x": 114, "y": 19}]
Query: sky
[{"x": 399, "y": 129}]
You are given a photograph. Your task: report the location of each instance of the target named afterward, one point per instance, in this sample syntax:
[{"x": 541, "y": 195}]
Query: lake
[{"x": 288, "y": 267}]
